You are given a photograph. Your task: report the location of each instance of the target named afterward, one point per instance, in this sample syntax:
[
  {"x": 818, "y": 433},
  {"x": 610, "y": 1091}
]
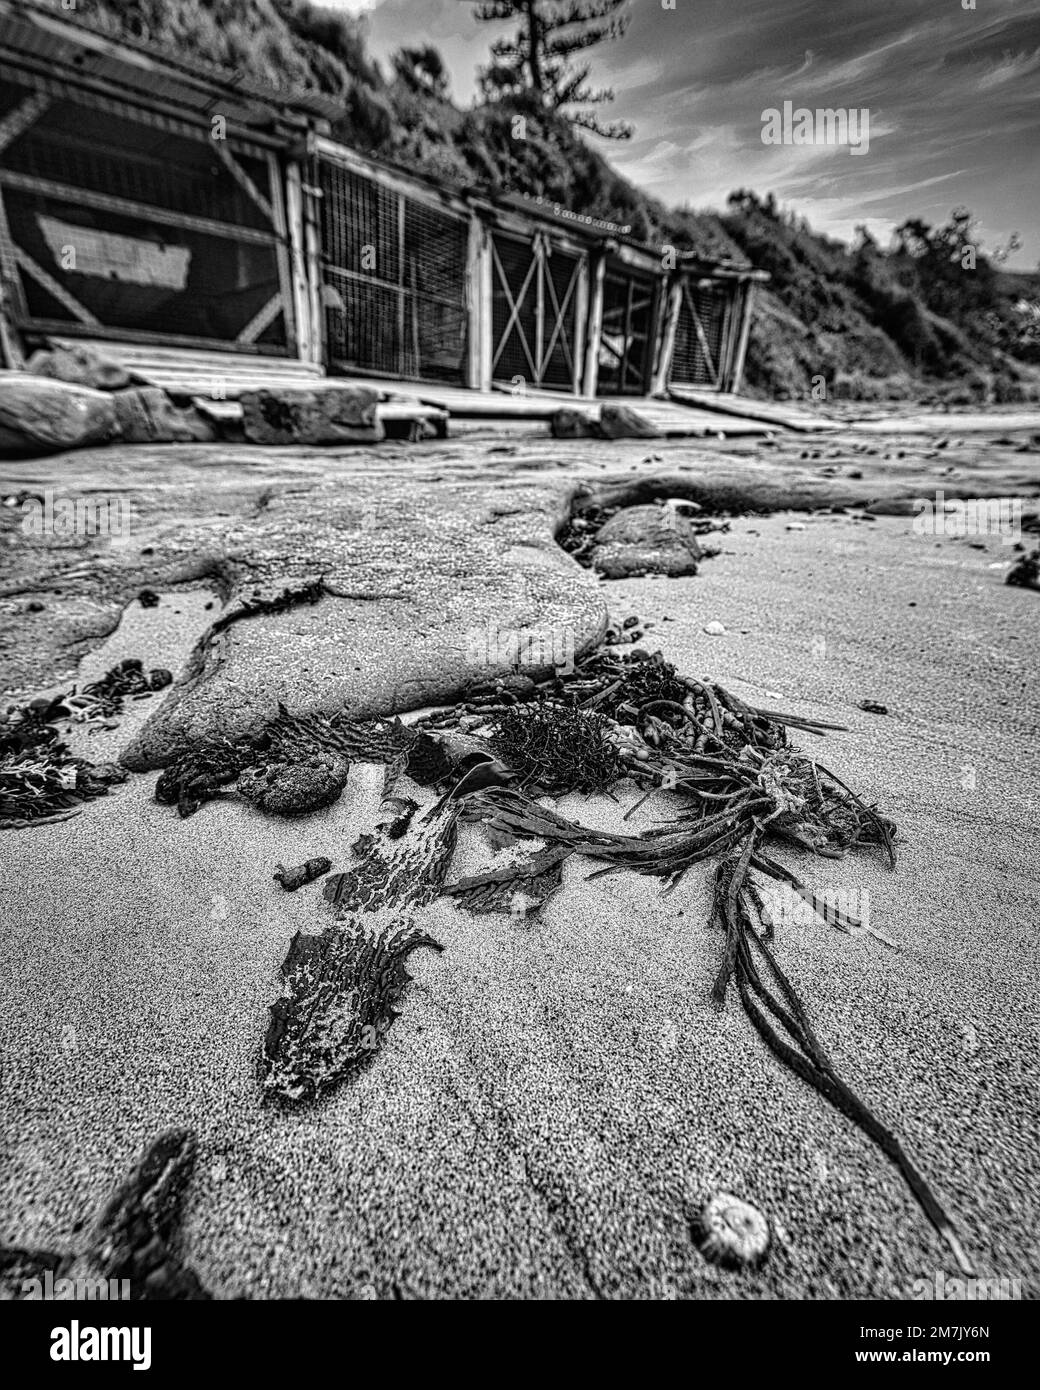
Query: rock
[
  {"x": 796, "y": 526},
  {"x": 41, "y": 416},
  {"x": 573, "y": 424},
  {"x": 306, "y": 415},
  {"x": 80, "y": 366},
  {"x": 715, "y": 628},
  {"x": 622, "y": 422},
  {"x": 296, "y": 789},
  {"x": 146, "y": 415},
  {"x": 301, "y": 874},
  {"x": 645, "y": 540},
  {"x": 873, "y": 707},
  {"x": 425, "y": 593}
]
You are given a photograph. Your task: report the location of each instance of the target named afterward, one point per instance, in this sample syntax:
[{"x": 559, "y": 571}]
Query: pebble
[{"x": 715, "y": 628}]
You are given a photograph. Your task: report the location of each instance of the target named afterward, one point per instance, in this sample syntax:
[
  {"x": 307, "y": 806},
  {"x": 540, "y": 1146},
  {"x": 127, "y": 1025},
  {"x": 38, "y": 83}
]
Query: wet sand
[{"x": 557, "y": 1098}]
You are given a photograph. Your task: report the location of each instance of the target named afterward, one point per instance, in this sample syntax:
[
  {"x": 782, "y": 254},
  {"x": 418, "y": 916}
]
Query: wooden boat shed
[{"x": 211, "y": 231}]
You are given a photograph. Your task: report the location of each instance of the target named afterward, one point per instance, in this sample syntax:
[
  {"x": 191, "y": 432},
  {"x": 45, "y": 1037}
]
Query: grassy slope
[{"x": 861, "y": 323}]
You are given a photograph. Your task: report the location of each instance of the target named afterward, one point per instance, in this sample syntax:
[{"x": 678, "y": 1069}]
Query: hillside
[{"x": 864, "y": 322}]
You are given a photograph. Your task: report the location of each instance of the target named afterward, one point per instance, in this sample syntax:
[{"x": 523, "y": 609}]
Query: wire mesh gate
[
  {"x": 629, "y": 305},
  {"x": 112, "y": 225},
  {"x": 394, "y": 274},
  {"x": 699, "y": 355},
  {"x": 535, "y": 311}
]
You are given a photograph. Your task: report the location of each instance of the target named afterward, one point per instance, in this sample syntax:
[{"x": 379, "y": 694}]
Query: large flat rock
[{"x": 378, "y": 596}]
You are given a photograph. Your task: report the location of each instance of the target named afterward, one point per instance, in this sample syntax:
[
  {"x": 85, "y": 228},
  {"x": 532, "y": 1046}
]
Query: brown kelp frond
[{"x": 778, "y": 1015}]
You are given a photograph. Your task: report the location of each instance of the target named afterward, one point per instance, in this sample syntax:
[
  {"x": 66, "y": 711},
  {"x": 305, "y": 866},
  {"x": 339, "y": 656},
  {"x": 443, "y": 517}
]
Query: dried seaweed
[
  {"x": 135, "y": 1236},
  {"x": 342, "y": 986},
  {"x": 135, "y": 1233},
  {"x": 739, "y": 784},
  {"x": 293, "y": 879},
  {"x": 556, "y": 747},
  {"x": 341, "y": 991}
]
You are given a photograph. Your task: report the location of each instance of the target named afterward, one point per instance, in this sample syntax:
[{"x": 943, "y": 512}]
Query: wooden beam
[
  {"x": 261, "y": 320},
  {"x": 666, "y": 347},
  {"x": 581, "y": 313},
  {"x": 242, "y": 178},
  {"x": 18, "y": 121},
  {"x": 315, "y": 278},
  {"x": 126, "y": 207},
  {"x": 285, "y": 276},
  {"x": 595, "y": 332},
  {"x": 298, "y": 256},
  {"x": 486, "y": 310},
  {"x": 737, "y": 374},
  {"x": 473, "y": 287},
  {"x": 54, "y": 288}
]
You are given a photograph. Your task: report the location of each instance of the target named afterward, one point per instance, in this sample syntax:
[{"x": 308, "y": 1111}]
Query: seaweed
[
  {"x": 135, "y": 1236},
  {"x": 342, "y": 986},
  {"x": 293, "y": 879},
  {"x": 341, "y": 992},
  {"x": 135, "y": 1233},
  {"x": 557, "y": 747}
]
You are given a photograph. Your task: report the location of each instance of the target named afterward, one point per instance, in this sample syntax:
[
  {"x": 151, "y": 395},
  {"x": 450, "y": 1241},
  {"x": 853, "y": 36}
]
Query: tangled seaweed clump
[{"x": 736, "y": 787}]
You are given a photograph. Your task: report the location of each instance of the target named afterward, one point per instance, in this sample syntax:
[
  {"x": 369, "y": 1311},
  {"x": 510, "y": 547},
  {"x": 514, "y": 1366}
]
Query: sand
[{"x": 558, "y": 1098}]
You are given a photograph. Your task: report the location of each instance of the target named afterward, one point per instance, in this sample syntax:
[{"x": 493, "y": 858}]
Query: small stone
[
  {"x": 715, "y": 628},
  {"x": 796, "y": 526}
]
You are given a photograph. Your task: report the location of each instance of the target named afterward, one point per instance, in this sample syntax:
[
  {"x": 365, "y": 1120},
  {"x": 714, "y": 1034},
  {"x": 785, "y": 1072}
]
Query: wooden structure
[{"x": 214, "y": 235}]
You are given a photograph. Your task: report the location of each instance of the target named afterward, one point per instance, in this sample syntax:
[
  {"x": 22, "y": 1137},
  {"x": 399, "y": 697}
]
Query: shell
[{"x": 731, "y": 1233}]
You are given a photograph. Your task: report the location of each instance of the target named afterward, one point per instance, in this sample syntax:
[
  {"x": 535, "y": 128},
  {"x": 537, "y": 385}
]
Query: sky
[{"x": 951, "y": 89}]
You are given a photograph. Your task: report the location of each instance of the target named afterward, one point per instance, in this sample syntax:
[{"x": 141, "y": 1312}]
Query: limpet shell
[{"x": 730, "y": 1232}]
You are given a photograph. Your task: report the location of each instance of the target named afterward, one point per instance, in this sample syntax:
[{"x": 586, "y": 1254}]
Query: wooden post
[
  {"x": 737, "y": 374},
  {"x": 285, "y": 278},
  {"x": 301, "y": 303},
  {"x": 599, "y": 275},
  {"x": 485, "y": 309},
  {"x": 541, "y": 256},
  {"x": 667, "y": 344},
  {"x": 315, "y": 276},
  {"x": 581, "y": 309}
]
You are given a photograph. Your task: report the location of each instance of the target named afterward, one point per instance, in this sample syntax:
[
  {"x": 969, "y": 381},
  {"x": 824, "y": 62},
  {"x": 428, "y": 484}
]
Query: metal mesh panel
[
  {"x": 516, "y": 259},
  {"x": 190, "y": 284},
  {"x": 624, "y": 353},
  {"x": 690, "y": 363},
  {"x": 84, "y": 148},
  {"x": 395, "y": 271},
  {"x": 559, "y": 368},
  {"x": 544, "y": 355}
]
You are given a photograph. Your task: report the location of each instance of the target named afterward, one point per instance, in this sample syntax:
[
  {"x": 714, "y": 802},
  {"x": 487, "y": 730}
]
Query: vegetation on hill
[{"x": 932, "y": 314}]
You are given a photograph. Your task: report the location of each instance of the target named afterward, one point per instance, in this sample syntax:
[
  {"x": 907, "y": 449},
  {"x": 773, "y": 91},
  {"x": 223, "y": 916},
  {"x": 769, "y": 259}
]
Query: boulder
[
  {"x": 614, "y": 422},
  {"x": 146, "y": 415},
  {"x": 43, "y": 416},
  {"x": 622, "y": 422},
  {"x": 80, "y": 366},
  {"x": 311, "y": 415},
  {"x": 646, "y": 540},
  {"x": 573, "y": 424}
]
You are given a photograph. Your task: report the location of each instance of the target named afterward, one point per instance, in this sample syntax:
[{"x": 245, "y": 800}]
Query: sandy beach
[{"x": 559, "y": 1097}]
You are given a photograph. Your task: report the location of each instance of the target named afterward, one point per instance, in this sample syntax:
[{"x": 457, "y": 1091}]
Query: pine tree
[{"x": 539, "y": 58}]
